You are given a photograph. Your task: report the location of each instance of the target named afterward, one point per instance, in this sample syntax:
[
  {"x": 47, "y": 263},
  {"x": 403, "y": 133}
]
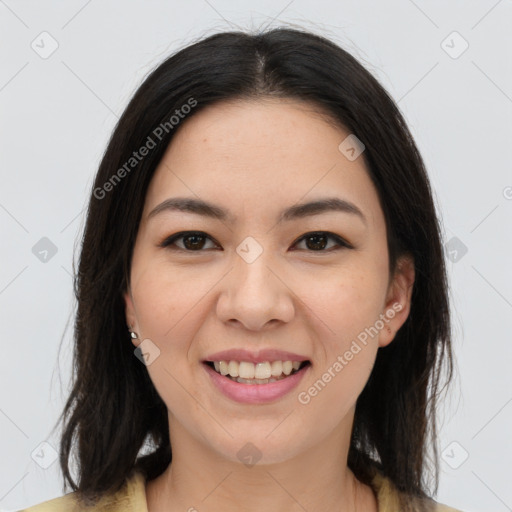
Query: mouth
[{"x": 265, "y": 372}]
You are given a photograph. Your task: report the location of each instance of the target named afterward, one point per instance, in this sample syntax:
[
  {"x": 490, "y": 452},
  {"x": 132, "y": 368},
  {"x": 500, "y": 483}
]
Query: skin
[{"x": 256, "y": 158}]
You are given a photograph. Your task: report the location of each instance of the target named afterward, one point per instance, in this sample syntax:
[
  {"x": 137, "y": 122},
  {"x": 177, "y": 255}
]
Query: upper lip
[{"x": 261, "y": 356}]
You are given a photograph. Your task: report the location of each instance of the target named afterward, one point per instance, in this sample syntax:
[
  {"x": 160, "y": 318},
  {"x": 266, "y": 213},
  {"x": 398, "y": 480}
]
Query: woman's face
[{"x": 258, "y": 279}]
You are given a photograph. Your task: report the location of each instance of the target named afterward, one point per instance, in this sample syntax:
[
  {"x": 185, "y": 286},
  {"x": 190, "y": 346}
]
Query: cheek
[
  {"x": 169, "y": 311},
  {"x": 167, "y": 299},
  {"x": 346, "y": 349},
  {"x": 348, "y": 302}
]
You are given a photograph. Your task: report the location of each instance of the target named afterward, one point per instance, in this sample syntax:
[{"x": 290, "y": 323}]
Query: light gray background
[{"x": 58, "y": 112}]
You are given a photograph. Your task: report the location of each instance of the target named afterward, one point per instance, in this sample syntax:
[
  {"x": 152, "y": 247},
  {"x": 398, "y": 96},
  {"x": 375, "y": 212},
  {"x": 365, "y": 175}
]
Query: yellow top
[{"x": 132, "y": 498}]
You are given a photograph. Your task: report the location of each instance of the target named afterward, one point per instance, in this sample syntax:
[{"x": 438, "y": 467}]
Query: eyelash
[{"x": 169, "y": 241}]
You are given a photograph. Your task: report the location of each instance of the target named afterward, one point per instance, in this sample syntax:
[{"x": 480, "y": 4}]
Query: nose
[{"x": 255, "y": 296}]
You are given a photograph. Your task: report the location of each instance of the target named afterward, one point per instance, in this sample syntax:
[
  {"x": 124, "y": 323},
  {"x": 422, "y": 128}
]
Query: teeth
[
  {"x": 245, "y": 370},
  {"x": 223, "y": 367},
  {"x": 262, "y": 371},
  {"x": 233, "y": 368},
  {"x": 259, "y": 373},
  {"x": 255, "y": 381},
  {"x": 277, "y": 368}
]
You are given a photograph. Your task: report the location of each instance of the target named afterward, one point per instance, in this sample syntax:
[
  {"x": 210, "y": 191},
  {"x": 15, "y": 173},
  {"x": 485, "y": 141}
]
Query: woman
[{"x": 263, "y": 223}]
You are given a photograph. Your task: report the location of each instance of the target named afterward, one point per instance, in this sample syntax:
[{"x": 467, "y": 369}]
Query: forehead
[{"x": 260, "y": 155}]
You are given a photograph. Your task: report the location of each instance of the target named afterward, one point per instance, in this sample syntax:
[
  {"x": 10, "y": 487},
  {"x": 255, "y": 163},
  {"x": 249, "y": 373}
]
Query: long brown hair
[{"x": 114, "y": 421}]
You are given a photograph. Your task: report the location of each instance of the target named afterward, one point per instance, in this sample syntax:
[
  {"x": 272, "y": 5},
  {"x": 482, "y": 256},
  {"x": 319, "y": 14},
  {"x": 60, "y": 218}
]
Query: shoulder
[
  {"x": 63, "y": 503},
  {"x": 130, "y": 498},
  {"x": 388, "y": 497}
]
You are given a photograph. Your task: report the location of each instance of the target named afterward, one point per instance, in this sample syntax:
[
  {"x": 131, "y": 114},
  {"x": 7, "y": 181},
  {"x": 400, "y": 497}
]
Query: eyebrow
[{"x": 206, "y": 209}]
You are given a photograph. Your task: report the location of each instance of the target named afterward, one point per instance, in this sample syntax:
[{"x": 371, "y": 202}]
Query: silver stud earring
[{"x": 133, "y": 334}]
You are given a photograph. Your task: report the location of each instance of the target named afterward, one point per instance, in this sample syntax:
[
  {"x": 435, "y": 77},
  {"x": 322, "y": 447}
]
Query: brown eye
[
  {"x": 319, "y": 241},
  {"x": 191, "y": 241},
  {"x": 194, "y": 242}
]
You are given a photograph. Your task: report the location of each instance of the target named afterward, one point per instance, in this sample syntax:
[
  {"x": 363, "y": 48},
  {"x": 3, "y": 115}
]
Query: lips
[
  {"x": 276, "y": 373},
  {"x": 262, "y": 392}
]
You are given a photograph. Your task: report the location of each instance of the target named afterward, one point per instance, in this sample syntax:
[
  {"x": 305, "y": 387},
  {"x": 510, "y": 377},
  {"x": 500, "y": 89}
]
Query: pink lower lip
[{"x": 255, "y": 393}]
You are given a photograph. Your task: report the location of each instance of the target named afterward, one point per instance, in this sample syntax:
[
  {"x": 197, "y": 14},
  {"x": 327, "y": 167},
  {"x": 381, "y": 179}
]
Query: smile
[
  {"x": 288, "y": 375},
  {"x": 265, "y": 372}
]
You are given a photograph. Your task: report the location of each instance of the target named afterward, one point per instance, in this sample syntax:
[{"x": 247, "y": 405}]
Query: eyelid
[
  {"x": 168, "y": 241},
  {"x": 340, "y": 241}
]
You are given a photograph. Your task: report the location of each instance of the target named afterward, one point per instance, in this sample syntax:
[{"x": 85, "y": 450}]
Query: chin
[{"x": 260, "y": 449}]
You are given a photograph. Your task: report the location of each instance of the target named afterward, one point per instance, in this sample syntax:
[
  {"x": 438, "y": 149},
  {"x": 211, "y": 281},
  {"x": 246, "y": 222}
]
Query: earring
[{"x": 133, "y": 334}]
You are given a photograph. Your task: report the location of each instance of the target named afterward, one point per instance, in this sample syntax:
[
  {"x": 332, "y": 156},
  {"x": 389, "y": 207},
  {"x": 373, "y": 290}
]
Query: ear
[
  {"x": 398, "y": 299},
  {"x": 131, "y": 318}
]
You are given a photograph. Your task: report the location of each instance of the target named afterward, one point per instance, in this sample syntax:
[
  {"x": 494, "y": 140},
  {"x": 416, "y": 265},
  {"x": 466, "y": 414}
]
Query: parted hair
[{"x": 114, "y": 421}]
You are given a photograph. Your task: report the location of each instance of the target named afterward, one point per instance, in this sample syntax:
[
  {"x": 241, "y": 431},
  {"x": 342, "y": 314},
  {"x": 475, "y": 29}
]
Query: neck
[{"x": 200, "y": 479}]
